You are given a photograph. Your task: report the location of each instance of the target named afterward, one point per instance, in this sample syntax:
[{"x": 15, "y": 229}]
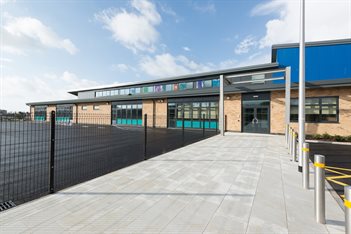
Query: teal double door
[{"x": 256, "y": 112}]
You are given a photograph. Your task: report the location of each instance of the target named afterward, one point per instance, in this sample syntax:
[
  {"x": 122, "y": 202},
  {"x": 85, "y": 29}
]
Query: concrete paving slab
[{"x": 240, "y": 183}]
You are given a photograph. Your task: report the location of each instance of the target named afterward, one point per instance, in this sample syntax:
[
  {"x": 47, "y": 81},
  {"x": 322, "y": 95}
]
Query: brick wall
[
  {"x": 148, "y": 108},
  {"x": 161, "y": 113},
  {"x": 48, "y": 111},
  {"x": 31, "y": 110},
  {"x": 232, "y": 108},
  {"x": 91, "y": 116},
  {"x": 342, "y": 128}
]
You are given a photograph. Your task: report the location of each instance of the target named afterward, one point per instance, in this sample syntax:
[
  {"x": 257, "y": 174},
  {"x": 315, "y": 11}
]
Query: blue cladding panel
[{"x": 324, "y": 62}]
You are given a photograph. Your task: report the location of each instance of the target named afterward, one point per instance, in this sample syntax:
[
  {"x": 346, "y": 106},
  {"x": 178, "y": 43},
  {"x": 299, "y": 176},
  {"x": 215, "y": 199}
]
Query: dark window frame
[{"x": 320, "y": 109}]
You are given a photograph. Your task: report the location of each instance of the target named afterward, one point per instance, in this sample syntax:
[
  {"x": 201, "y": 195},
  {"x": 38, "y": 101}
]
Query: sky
[{"x": 49, "y": 47}]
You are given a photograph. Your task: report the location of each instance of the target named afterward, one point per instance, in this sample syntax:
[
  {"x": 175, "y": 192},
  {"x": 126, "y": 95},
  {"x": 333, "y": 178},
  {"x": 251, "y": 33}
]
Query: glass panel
[
  {"x": 137, "y": 90},
  {"x": 187, "y": 111},
  {"x": 169, "y": 87},
  {"x": 199, "y": 84},
  {"x": 207, "y": 84},
  {"x": 312, "y": 110},
  {"x": 182, "y": 86},
  {"x": 329, "y": 100},
  {"x": 175, "y": 87},
  {"x": 312, "y": 101},
  {"x": 189, "y": 85},
  {"x": 158, "y": 88},
  {"x": 215, "y": 83}
]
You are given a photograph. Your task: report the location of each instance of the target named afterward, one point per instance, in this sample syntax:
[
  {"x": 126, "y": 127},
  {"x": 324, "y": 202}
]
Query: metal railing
[{"x": 39, "y": 157}]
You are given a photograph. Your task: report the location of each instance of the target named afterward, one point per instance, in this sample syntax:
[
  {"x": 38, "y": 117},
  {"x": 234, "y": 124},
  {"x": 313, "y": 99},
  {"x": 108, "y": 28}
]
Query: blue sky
[{"x": 50, "y": 47}]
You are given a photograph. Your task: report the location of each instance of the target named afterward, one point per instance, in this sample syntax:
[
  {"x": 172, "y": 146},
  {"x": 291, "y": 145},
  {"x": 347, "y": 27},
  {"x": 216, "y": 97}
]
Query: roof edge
[
  {"x": 313, "y": 43},
  {"x": 188, "y": 76}
]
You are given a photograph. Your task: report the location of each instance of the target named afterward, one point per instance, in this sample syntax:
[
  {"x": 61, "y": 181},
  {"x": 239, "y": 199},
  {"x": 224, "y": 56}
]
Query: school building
[{"x": 261, "y": 98}]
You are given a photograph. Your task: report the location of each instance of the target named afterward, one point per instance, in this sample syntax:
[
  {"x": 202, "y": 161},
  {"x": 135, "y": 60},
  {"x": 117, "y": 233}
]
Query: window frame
[
  {"x": 320, "y": 105},
  {"x": 96, "y": 107},
  {"x": 84, "y": 107}
]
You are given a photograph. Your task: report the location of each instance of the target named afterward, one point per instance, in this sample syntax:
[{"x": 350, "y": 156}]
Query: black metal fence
[{"x": 41, "y": 157}]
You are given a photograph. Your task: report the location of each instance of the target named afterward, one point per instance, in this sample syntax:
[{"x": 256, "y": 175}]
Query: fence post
[
  {"x": 203, "y": 125},
  {"x": 217, "y": 124},
  {"x": 347, "y": 203},
  {"x": 183, "y": 128},
  {"x": 145, "y": 135},
  {"x": 52, "y": 152},
  {"x": 319, "y": 188},
  {"x": 305, "y": 169}
]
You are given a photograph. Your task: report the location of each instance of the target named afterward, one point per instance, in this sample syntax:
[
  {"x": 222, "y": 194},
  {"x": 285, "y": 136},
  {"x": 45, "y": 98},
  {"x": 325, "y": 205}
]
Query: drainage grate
[{"x": 6, "y": 205}]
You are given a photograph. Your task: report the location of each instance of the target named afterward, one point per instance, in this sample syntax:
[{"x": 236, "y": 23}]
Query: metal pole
[
  {"x": 52, "y": 152},
  {"x": 291, "y": 142},
  {"x": 319, "y": 188},
  {"x": 221, "y": 104},
  {"x": 203, "y": 125},
  {"x": 306, "y": 169},
  {"x": 294, "y": 146},
  {"x": 225, "y": 123},
  {"x": 183, "y": 128},
  {"x": 302, "y": 83},
  {"x": 347, "y": 203},
  {"x": 145, "y": 135},
  {"x": 287, "y": 96},
  {"x": 289, "y": 138}
]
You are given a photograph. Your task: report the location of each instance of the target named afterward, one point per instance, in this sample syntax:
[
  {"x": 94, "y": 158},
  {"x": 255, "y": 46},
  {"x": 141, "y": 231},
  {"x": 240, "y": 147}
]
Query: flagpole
[{"x": 302, "y": 83}]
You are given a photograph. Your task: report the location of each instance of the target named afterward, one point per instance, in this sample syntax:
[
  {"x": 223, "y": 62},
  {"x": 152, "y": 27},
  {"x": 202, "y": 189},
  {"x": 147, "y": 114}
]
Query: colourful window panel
[
  {"x": 215, "y": 83},
  {"x": 199, "y": 84},
  {"x": 175, "y": 87},
  {"x": 158, "y": 88}
]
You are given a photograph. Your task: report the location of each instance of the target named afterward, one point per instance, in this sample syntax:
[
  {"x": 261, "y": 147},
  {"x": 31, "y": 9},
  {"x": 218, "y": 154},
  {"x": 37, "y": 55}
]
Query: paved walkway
[{"x": 240, "y": 183}]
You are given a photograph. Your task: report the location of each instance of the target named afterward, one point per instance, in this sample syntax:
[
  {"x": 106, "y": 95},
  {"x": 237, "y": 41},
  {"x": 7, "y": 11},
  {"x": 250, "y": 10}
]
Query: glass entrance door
[{"x": 255, "y": 116}]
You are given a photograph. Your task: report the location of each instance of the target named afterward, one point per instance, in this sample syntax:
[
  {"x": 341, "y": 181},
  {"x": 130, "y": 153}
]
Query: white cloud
[
  {"x": 208, "y": 7},
  {"x": 2, "y": 2},
  {"x": 169, "y": 11},
  {"x": 17, "y": 90},
  {"x": 134, "y": 30},
  {"x": 22, "y": 33},
  {"x": 121, "y": 67},
  {"x": 186, "y": 48},
  {"x": 245, "y": 45},
  {"x": 166, "y": 65},
  {"x": 325, "y": 20}
]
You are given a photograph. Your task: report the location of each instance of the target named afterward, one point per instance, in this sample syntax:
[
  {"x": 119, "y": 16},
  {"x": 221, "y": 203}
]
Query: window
[
  {"x": 169, "y": 87},
  {"x": 207, "y": 84},
  {"x": 84, "y": 107},
  {"x": 96, "y": 107},
  {"x": 215, "y": 83},
  {"x": 187, "y": 85},
  {"x": 98, "y": 94},
  {"x": 317, "y": 110},
  {"x": 40, "y": 113},
  {"x": 127, "y": 114},
  {"x": 158, "y": 88}
]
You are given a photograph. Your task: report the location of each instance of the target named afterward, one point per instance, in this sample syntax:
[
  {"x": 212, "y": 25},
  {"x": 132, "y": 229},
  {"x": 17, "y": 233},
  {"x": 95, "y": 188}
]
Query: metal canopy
[{"x": 234, "y": 79}]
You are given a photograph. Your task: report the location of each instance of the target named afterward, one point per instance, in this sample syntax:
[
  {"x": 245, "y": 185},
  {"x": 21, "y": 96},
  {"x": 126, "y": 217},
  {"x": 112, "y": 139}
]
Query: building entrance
[{"x": 256, "y": 112}]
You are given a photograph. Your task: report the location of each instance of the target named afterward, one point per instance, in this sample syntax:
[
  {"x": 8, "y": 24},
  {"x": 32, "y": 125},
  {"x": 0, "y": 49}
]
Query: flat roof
[
  {"x": 346, "y": 82},
  {"x": 313, "y": 43},
  {"x": 183, "y": 77}
]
